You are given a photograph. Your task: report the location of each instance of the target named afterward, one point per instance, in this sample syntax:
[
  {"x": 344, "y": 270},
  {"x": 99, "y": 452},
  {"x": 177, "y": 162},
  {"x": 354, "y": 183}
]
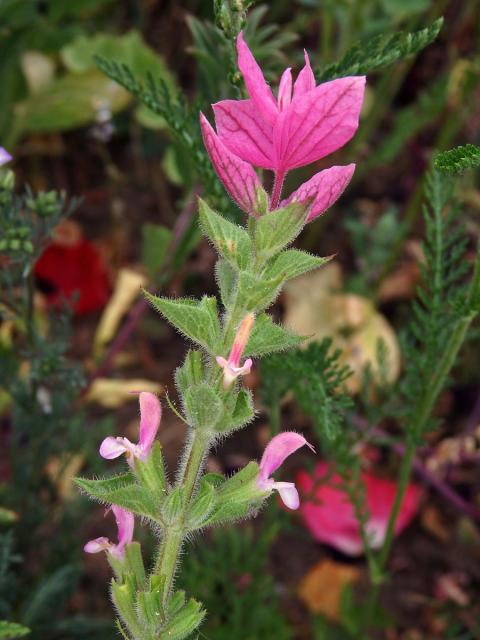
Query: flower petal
[
  {"x": 318, "y": 123},
  {"x": 4, "y": 156},
  {"x": 288, "y": 493},
  {"x": 125, "y": 524},
  {"x": 285, "y": 89},
  {"x": 150, "y": 416},
  {"x": 238, "y": 177},
  {"x": 323, "y": 189},
  {"x": 305, "y": 80},
  {"x": 97, "y": 545},
  {"x": 279, "y": 448},
  {"x": 257, "y": 88},
  {"x": 113, "y": 447},
  {"x": 242, "y": 129}
]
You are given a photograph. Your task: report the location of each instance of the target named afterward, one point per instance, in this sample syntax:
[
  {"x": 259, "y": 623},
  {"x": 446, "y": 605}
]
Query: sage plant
[{"x": 303, "y": 124}]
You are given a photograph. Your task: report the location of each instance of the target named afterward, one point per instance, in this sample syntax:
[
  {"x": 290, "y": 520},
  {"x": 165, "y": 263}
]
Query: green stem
[
  {"x": 421, "y": 416},
  {"x": 172, "y": 541}
]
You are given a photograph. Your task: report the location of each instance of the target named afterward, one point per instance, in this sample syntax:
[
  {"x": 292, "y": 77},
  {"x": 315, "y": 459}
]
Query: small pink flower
[
  {"x": 150, "y": 416},
  {"x": 329, "y": 515},
  {"x": 4, "y": 156},
  {"x": 231, "y": 367},
  {"x": 277, "y": 450},
  {"x": 125, "y": 524}
]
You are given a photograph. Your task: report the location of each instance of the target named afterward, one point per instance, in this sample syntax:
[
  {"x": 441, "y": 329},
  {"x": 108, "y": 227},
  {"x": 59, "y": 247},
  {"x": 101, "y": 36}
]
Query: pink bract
[
  {"x": 329, "y": 515},
  {"x": 305, "y": 123}
]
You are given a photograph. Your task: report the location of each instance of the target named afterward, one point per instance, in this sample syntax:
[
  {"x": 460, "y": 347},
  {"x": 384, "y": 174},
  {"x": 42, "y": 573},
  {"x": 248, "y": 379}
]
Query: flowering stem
[
  {"x": 277, "y": 189},
  {"x": 172, "y": 541}
]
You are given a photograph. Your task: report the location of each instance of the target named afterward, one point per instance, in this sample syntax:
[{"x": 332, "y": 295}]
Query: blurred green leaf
[
  {"x": 11, "y": 630},
  {"x": 156, "y": 240},
  {"x": 69, "y": 102}
]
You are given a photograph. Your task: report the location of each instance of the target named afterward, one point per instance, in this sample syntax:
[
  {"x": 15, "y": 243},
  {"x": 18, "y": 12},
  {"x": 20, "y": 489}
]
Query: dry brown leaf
[
  {"x": 127, "y": 288},
  {"x": 63, "y": 472},
  {"x": 433, "y": 523},
  {"x": 315, "y": 306},
  {"x": 112, "y": 393},
  {"x": 321, "y": 588}
]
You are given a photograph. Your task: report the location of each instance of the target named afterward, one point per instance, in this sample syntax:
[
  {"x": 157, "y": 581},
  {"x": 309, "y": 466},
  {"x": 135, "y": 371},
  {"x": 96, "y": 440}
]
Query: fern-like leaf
[
  {"x": 381, "y": 51},
  {"x": 458, "y": 159}
]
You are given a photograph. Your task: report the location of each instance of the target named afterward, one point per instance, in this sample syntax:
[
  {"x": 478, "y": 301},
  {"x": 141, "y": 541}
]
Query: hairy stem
[
  {"x": 172, "y": 541},
  {"x": 277, "y": 189}
]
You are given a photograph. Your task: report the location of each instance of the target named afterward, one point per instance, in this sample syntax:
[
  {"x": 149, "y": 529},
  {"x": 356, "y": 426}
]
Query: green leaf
[
  {"x": 256, "y": 293},
  {"x": 69, "y": 102},
  {"x": 292, "y": 263},
  {"x": 191, "y": 372},
  {"x": 277, "y": 229},
  {"x": 202, "y": 406},
  {"x": 151, "y": 471},
  {"x": 173, "y": 505},
  {"x": 12, "y": 630},
  {"x": 202, "y": 505},
  {"x": 268, "y": 337},
  {"x": 184, "y": 623},
  {"x": 196, "y": 319},
  {"x": 380, "y": 51},
  {"x": 129, "y": 49},
  {"x": 155, "y": 242},
  {"x": 237, "y": 496},
  {"x": 124, "y": 491},
  {"x": 231, "y": 241},
  {"x": 226, "y": 279},
  {"x": 243, "y": 412},
  {"x": 458, "y": 159}
]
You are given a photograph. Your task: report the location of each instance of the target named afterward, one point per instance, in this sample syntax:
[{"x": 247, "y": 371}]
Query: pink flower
[
  {"x": 150, "y": 416},
  {"x": 125, "y": 524},
  {"x": 279, "y": 448},
  {"x": 231, "y": 367},
  {"x": 4, "y": 156},
  {"x": 301, "y": 126},
  {"x": 329, "y": 515}
]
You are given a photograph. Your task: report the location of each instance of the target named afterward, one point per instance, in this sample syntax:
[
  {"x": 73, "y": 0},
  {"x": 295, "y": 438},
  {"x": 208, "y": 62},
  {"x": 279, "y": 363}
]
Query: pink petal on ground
[
  {"x": 330, "y": 518},
  {"x": 150, "y": 416},
  {"x": 278, "y": 449},
  {"x": 257, "y": 88},
  {"x": 288, "y": 493},
  {"x": 323, "y": 189},
  {"x": 243, "y": 130},
  {"x": 305, "y": 81},
  {"x": 113, "y": 448},
  {"x": 97, "y": 545},
  {"x": 125, "y": 524},
  {"x": 285, "y": 89},
  {"x": 238, "y": 177},
  {"x": 318, "y": 123}
]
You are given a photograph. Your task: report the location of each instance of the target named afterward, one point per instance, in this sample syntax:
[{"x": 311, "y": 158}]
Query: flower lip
[
  {"x": 277, "y": 450},
  {"x": 125, "y": 524},
  {"x": 150, "y": 417}
]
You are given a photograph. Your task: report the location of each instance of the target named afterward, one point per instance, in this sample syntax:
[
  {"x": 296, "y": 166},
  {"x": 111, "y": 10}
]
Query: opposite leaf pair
[{"x": 279, "y": 448}]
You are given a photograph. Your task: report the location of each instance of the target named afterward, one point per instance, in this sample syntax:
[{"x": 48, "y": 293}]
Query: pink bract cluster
[{"x": 302, "y": 125}]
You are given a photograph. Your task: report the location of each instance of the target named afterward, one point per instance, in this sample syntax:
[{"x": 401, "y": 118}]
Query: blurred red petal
[
  {"x": 63, "y": 271},
  {"x": 328, "y": 514}
]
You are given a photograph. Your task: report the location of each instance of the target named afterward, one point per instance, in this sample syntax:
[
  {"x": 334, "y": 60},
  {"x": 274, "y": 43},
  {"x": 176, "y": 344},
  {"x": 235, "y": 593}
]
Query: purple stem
[{"x": 277, "y": 189}]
